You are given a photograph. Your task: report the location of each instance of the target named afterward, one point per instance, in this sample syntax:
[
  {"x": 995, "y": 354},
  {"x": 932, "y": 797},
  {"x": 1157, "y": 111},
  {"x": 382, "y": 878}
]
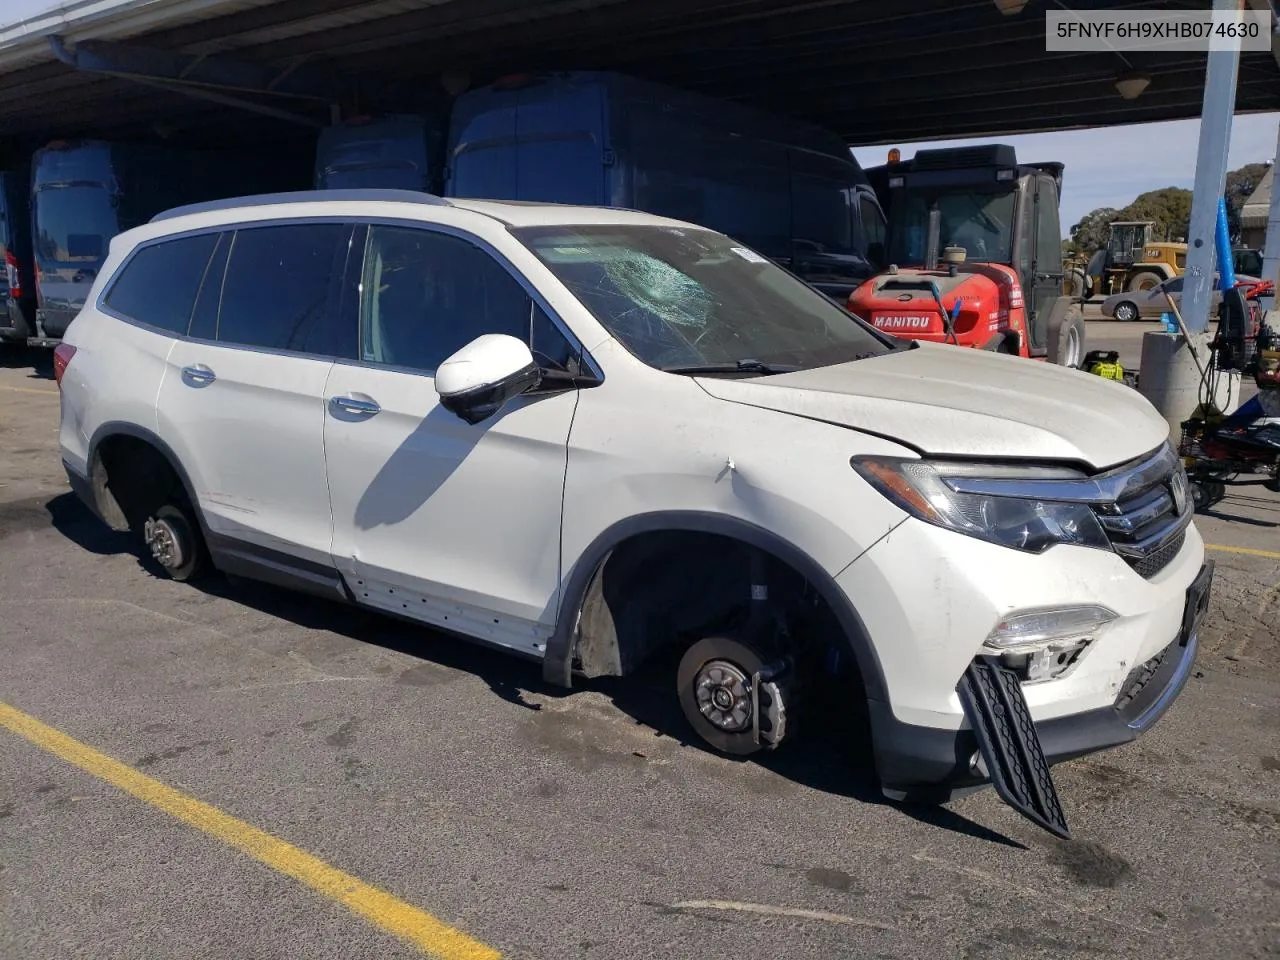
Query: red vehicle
[{"x": 975, "y": 254}]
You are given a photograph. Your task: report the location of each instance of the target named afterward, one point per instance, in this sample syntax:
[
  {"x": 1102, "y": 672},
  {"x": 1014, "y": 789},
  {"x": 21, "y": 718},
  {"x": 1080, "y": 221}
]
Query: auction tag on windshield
[{"x": 749, "y": 255}]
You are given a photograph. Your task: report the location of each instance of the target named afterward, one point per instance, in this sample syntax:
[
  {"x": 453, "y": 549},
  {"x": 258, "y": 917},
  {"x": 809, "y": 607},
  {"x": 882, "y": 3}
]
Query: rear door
[
  {"x": 242, "y": 398},
  {"x": 560, "y": 132},
  {"x": 75, "y": 222}
]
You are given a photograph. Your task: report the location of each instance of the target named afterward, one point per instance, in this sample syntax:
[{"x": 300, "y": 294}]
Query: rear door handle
[
  {"x": 197, "y": 375},
  {"x": 364, "y": 406}
]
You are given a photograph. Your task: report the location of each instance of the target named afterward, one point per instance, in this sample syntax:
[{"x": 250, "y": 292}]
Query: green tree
[
  {"x": 1168, "y": 207},
  {"x": 1240, "y": 186},
  {"x": 1091, "y": 232}
]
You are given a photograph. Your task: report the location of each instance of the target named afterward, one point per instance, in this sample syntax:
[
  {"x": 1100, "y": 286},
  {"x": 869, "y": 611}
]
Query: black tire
[
  {"x": 1143, "y": 280},
  {"x": 1126, "y": 311},
  {"x": 173, "y": 538},
  {"x": 1201, "y": 497},
  {"x": 722, "y": 665},
  {"x": 1077, "y": 286},
  {"x": 1066, "y": 339}
]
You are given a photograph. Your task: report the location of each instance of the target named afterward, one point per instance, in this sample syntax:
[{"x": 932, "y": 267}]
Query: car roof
[{"x": 308, "y": 203}]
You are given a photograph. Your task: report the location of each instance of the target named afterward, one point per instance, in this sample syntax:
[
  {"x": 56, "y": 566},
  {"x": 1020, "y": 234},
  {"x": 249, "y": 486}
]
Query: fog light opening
[{"x": 1040, "y": 645}]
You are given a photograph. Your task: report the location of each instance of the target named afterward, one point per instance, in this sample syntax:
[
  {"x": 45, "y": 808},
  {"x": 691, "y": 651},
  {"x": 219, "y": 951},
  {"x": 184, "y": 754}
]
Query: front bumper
[{"x": 920, "y": 761}]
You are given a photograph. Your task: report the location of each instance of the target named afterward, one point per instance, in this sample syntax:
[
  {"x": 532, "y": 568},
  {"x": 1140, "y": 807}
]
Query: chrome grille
[{"x": 1147, "y": 510}]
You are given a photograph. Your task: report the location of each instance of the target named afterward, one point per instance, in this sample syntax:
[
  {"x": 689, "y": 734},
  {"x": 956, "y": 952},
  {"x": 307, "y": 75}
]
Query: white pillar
[
  {"x": 1211, "y": 172},
  {"x": 1169, "y": 351},
  {"x": 1271, "y": 246}
]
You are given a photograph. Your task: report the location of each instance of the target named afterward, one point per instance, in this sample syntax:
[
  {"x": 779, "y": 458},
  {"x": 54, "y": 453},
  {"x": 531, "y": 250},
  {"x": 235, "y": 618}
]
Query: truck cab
[{"x": 982, "y": 230}]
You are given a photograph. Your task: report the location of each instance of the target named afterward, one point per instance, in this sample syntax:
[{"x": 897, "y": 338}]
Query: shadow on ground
[
  {"x": 38, "y": 363},
  {"x": 832, "y": 756}
]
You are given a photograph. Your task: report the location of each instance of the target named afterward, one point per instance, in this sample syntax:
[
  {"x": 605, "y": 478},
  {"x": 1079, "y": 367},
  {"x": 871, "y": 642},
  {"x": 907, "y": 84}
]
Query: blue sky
[
  {"x": 1105, "y": 167},
  {"x": 1108, "y": 167}
]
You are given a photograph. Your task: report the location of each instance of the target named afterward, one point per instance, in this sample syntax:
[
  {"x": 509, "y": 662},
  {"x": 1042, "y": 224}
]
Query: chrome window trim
[{"x": 356, "y": 222}]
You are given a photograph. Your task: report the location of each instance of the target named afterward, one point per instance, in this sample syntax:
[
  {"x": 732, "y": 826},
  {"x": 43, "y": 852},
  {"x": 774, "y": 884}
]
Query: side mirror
[{"x": 476, "y": 381}]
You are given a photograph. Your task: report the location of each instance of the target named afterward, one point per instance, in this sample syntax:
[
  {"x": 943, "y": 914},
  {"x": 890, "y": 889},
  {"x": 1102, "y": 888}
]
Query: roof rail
[{"x": 302, "y": 196}]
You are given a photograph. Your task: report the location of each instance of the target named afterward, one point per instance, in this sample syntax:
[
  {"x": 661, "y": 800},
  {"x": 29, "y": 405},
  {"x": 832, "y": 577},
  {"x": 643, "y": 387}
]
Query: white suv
[{"x": 594, "y": 436}]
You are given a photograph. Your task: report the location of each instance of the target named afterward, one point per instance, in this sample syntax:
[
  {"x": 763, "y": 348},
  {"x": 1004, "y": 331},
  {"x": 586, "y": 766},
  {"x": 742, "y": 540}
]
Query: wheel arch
[
  {"x": 587, "y": 570},
  {"x": 109, "y": 509}
]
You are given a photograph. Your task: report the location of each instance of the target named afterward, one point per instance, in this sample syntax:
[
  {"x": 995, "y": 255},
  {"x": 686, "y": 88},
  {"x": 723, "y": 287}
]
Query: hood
[{"x": 945, "y": 400}]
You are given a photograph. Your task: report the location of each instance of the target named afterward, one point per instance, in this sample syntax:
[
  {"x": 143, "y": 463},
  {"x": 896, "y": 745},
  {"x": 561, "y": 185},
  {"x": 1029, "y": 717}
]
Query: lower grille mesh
[{"x": 1149, "y": 566}]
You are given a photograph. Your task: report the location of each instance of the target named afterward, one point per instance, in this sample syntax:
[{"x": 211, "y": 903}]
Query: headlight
[{"x": 1020, "y": 516}]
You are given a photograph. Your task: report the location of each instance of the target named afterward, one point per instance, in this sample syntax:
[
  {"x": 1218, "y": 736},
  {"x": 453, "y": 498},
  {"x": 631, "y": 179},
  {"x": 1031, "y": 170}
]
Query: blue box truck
[
  {"x": 791, "y": 191},
  {"x": 395, "y": 152}
]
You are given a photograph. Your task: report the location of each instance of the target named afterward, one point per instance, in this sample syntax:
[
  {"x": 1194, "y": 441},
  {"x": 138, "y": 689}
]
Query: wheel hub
[
  {"x": 163, "y": 542},
  {"x": 723, "y": 693},
  {"x": 1073, "y": 348}
]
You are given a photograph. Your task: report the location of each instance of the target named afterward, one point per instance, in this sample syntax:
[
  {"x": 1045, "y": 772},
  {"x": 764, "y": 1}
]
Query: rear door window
[
  {"x": 159, "y": 284},
  {"x": 281, "y": 286},
  {"x": 74, "y": 224}
]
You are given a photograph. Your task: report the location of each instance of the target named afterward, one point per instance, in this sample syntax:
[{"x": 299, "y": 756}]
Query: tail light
[
  {"x": 13, "y": 274},
  {"x": 62, "y": 355}
]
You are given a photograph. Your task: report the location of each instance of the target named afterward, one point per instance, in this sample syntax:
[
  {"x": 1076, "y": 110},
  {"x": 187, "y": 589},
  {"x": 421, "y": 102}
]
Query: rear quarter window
[{"x": 159, "y": 283}]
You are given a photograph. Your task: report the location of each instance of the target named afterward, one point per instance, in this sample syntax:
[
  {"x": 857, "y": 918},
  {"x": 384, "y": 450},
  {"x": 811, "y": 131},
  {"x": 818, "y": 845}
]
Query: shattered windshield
[
  {"x": 981, "y": 222},
  {"x": 682, "y": 298}
]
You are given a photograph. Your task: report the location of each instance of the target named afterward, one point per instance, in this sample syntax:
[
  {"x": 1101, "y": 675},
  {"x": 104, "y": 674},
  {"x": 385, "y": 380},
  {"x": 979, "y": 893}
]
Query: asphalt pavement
[{"x": 544, "y": 824}]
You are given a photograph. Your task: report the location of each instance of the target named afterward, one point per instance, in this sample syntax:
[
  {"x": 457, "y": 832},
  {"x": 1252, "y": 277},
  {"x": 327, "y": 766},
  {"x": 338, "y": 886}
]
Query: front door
[
  {"x": 1047, "y": 271},
  {"x": 242, "y": 397},
  {"x": 454, "y": 524}
]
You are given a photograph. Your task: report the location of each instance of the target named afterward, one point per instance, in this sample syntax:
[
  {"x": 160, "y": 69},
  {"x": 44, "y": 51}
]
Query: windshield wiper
[{"x": 738, "y": 366}]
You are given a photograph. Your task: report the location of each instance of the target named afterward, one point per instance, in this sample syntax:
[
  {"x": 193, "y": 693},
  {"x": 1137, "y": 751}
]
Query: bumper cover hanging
[{"x": 1009, "y": 745}]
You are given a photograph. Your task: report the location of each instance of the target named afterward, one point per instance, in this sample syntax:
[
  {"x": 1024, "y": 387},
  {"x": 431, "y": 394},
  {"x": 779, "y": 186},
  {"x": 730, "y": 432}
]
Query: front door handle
[
  {"x": 197, "y": 375},
  {"x": 362, "y": 406}
]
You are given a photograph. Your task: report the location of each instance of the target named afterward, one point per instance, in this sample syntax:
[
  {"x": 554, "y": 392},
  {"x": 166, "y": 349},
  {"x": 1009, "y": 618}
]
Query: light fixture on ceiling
[
  {"x": 1131, "y": 85},
  {"x": 1010, "y": 7}
]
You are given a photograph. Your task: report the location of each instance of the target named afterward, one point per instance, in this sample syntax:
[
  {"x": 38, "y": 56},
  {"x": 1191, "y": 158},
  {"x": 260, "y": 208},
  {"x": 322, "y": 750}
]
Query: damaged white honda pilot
[{"x": 596, "y": 437}]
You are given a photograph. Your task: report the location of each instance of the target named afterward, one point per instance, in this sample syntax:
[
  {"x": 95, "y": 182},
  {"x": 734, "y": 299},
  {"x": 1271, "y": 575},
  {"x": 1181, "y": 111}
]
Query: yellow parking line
[
  {"x": 43, "y": 393},
  {"x": 376, "y": 906},
  {"x": 1247, "y": 551}
]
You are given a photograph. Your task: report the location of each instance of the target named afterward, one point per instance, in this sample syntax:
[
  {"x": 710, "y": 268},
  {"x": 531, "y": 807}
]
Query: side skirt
[{"x": 238, "y": 558}]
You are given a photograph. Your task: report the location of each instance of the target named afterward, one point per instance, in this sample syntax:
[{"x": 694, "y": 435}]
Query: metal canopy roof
[{"x": 874, "y": 71}]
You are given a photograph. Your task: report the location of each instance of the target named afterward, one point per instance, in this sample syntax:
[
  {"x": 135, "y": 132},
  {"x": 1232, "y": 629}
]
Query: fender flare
[
  {"x": 117, "y": 428},
  {"x": 557, "y": 665}
]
